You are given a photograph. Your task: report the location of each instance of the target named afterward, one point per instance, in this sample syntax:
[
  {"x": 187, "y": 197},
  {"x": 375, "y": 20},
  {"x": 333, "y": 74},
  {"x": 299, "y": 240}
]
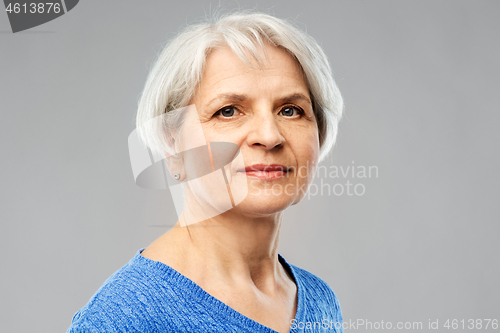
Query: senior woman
[{"x": 265, "y": 88}]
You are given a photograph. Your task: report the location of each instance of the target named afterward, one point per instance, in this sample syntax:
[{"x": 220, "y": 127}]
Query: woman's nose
[{"x": 264, "y": 131}]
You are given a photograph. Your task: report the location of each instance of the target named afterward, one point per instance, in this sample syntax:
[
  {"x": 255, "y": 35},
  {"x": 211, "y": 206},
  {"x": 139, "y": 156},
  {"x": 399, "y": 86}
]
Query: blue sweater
[{"x": 149, "y": 296}]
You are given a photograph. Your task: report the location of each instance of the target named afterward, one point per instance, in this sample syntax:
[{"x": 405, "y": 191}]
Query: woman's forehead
[{"x": 225, "y": 70}]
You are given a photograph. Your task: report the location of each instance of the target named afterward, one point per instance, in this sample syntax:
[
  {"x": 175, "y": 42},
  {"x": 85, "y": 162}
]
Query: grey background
[{"x": 420, "y": 81}]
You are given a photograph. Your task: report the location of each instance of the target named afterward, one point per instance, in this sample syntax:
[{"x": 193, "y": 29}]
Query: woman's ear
[{"x": 175, "y": 166}]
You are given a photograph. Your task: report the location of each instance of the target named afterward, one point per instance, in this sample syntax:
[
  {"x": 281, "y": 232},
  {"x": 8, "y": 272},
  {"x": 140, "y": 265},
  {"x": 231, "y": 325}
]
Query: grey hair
[{"x": 176, "y": 74}]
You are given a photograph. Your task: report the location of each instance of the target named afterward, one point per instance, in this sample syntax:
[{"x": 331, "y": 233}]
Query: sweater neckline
[{"x": 168, "y": 273}]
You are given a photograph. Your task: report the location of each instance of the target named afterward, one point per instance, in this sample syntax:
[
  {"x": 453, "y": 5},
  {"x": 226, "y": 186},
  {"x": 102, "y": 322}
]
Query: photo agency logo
[
  {"x": 342, "y": 180},
  {"x": 208, "y": 178},
  {"x": 25, "y": 15}
]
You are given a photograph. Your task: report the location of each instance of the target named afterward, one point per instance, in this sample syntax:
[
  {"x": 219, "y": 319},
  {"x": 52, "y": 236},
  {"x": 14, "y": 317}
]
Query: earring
[{"x": 177, "y": 176}]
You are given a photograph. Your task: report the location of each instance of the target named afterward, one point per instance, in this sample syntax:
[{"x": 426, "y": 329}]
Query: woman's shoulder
[
  {"x": 127, "y": 300},
  {"x": 313, "y": 287},
  {"x": 313, "y": 282},
  {"x": 317, "y": 303}
]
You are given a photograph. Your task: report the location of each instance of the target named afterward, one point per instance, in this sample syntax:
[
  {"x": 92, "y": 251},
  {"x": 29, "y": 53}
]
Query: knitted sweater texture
[{"x": 149, "y": 296}]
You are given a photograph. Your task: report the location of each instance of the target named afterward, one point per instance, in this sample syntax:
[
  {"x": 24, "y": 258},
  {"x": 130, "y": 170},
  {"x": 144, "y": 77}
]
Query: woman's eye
[
  {"x": 290, "y": 111},
  {"x": 227, "y": 112}
]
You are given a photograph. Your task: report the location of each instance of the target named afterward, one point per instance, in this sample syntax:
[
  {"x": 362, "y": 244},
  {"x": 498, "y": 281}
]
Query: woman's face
[{"x": 268, "y": 114}]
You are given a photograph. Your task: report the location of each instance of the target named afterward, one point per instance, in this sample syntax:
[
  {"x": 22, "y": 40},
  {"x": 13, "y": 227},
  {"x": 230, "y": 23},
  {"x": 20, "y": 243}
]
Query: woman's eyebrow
[
  {"x": 296, "y": 97},
  {"x": 230, "y": 97},
  {"x": 242, "y": 97}
]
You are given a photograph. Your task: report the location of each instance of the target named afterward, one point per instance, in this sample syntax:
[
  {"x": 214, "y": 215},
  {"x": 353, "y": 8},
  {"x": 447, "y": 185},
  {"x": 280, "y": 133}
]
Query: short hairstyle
[{"x": 177, "y": 72}]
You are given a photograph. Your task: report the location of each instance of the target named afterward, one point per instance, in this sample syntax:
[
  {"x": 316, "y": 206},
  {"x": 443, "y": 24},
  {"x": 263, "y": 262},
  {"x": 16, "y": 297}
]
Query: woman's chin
[{"x": 263, "y": 204}]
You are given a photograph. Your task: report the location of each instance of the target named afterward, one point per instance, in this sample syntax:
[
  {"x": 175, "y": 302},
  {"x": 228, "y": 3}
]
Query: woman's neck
[{"x": 228, "y": 248}]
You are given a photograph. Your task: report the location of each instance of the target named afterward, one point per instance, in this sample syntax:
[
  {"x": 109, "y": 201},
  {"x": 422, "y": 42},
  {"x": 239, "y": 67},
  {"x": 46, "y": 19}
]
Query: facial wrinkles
[{"x": 270, "y": 89}]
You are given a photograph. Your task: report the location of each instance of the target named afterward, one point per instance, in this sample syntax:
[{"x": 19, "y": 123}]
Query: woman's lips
[{"x": 266, "y": 171}]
